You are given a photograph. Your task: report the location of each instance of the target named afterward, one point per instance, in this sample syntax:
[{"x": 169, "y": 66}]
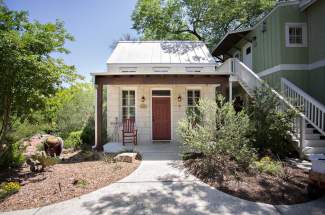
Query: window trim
[
  {"x": 193, "y": 91},
  {"x": 128, "y": 106},
  {"x": 304, "y": 34}
]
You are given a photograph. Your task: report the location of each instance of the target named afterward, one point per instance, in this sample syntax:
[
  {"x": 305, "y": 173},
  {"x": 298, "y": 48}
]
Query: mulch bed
[
  {"x": 261, "y": 187},
  {"x": 71, "y": 178}
]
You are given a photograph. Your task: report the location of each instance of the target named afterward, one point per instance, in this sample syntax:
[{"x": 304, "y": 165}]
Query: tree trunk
[{"x": 5, "y": 121}]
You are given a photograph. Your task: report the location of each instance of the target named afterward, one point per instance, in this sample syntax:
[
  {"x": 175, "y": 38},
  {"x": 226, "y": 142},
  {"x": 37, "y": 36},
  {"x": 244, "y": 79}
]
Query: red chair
[{"x": 129, "y": 132}]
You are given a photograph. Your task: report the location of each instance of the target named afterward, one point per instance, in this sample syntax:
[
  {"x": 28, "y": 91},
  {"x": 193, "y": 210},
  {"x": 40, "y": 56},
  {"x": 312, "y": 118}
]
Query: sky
[{"x": 95, "y": 24}]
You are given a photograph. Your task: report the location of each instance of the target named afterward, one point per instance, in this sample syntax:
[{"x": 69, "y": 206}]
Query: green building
[
  {"x": 287, "y": 50},
  {"x": 289, "y": 42}
]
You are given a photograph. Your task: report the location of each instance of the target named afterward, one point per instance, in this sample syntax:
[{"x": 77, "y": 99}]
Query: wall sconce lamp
[
  {"x": 179, "y": 98},
  {"x": 143, "y": 99}
]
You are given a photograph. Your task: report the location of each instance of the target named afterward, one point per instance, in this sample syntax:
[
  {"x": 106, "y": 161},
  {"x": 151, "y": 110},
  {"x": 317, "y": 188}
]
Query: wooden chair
[{"x": 129, "y": 132}]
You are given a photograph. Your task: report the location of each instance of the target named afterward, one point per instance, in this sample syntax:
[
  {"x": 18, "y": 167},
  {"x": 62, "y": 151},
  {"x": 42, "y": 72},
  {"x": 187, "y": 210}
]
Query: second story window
[{"x": 296, "y": 35}]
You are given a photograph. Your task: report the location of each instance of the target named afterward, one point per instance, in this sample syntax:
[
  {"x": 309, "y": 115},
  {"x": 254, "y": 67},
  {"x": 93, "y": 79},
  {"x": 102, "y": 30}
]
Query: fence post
[{"x": 302, "y": 136}]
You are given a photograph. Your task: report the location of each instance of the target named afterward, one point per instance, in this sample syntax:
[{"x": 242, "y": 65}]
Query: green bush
[
  {"x": 74, "y": 140},
  {"x": 12, "y": 156},
  {"x": 220, "y": 135},
  {"x": 270, "y": 128},
  {"x": 43, "y": 160},
  {"x": 88, "y": 132},
  {"x": 40, "y": 147},
  {"x": 267, "y": 165}
]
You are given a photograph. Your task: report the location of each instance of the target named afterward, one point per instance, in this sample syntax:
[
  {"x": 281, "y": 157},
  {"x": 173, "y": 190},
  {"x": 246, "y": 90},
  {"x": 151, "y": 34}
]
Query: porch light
[
  {"x": 179, "y": 98},
  {"x": 143, "y": 99}
]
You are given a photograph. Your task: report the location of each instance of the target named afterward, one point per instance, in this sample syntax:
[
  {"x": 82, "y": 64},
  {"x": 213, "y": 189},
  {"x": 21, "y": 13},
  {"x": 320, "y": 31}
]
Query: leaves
[
  {"x": 206, "y": 20},
  {"x": 29, "y": 73}
]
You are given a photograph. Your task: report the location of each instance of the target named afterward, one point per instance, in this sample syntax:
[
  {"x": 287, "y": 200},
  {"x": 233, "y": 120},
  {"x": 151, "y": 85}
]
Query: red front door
[{"x": 161, "y": 118}]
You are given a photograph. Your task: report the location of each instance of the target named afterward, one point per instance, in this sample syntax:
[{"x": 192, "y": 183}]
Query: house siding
[
  {"x": 316, "y": 31},
  {"x": 143, "y": 114},
  {"x": 269, "y": 49}
]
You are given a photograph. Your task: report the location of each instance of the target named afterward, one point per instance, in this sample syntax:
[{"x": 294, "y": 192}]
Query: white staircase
[
  {"x": 314, "y": 114},
  {"x": 309, "y": 126}
]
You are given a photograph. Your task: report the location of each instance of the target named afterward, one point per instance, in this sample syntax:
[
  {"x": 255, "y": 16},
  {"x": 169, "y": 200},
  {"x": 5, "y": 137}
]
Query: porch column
[
  {"x": 230, "y": 89},
  {"x": 98, "y": 117}
]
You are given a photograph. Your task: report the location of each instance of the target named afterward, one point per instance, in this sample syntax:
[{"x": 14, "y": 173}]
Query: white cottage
[{"x": 154, "y": 83}]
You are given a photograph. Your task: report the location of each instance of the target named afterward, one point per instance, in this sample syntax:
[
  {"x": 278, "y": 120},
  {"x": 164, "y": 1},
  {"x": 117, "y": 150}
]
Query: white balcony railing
[{"x": 313, "y": 111}]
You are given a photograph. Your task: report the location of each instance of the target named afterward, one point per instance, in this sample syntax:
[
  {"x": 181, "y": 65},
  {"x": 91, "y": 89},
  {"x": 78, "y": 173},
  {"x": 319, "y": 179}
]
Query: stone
[{"x": 128, "y": 157}]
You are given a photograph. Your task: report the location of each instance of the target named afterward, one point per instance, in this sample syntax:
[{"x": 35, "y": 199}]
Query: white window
[
  {"x": 128, "y": 104},
  {"x": 193, "y": 97},
  {"x": 296, "y": 34}
]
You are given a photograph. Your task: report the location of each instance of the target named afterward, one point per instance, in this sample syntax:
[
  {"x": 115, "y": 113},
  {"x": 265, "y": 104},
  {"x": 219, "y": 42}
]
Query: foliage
[
  {"x": 88, "y": 132},
  {"x": 9, "y": 188},
  {"x": 221, "y": 133},
  {"x": 11, "y": 156},
  {"x": 44, "y": 161},
  {"x": 82, "y": 183},
  {"x": 40, "y": 147},
  {"x": 207, "y": 20},
  {"x": 267, "y": 165},
  {"x": 71, "y": 107},
  {"x": 270, "y": 127},
  {"x": 124, "y": 37},
  {"x": 74, "y": 140},
  {"x": 29, "y": 73}
]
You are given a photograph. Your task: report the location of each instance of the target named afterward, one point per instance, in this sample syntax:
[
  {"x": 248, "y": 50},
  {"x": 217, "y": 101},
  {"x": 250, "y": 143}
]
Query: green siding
[
  {"x": 291, "y": 55},
  {"x": 269, "y": 49},
  {"x": 316, "y": 31},
  {"x": 311, "y": 81}
]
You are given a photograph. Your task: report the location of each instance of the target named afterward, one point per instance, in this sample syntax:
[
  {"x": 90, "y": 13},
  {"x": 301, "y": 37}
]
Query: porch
[{"x": 157, "y": 103}]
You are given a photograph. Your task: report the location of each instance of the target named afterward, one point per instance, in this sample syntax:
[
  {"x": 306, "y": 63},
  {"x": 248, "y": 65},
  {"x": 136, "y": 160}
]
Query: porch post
[
  {"x": 230, "y": 89},
  {"x": 98, "y": 117}
]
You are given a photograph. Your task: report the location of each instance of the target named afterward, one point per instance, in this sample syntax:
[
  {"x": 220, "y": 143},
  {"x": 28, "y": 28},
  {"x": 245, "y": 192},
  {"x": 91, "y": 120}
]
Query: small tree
[
  {"x": 271, "y": 127},
  {"x": 29, "y": 73},
  {"x": 221, "y": 135}
]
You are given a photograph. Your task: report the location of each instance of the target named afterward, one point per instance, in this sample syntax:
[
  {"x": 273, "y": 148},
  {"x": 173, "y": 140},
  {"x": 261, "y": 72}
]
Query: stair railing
[
  {"x": 252, "y": 81},
  {"x": 312, "y": 109}
]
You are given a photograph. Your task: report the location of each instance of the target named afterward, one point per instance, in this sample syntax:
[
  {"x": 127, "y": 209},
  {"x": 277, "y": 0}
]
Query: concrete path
[{"x": 160, "y": 186}]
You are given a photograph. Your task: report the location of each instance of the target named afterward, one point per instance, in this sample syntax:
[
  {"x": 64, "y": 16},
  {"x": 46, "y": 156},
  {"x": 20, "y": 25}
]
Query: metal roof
[{"x": 161, "y": 52}]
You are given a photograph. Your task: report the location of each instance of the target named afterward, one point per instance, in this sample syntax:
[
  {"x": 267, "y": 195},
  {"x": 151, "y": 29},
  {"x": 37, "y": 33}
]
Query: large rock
[{"x": 128, "y": 157}]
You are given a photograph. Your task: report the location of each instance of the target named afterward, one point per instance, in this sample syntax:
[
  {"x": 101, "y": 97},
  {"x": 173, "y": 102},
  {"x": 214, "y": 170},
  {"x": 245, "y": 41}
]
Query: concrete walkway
[{"x": 160, "y": 186}]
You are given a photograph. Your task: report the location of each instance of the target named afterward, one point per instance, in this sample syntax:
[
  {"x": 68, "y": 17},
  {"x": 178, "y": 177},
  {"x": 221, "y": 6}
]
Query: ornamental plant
[{"x": 220, "y": 135}]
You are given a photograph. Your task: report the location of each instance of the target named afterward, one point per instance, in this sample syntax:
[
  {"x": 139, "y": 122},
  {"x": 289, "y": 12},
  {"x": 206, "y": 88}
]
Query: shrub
[
  {"x": 41, "y": 159},
  {"x": 74, "y": 140},
  {"x": 267, "y": 165},
  {"x": 40, "y": 147},
  {"x": 220, "y": 135},
  {"x": 9, "y": 188},
  {"x": 270, "y": 128},
  {"x": 88, "y": 132},
  {"x": 11, "y": 156}
]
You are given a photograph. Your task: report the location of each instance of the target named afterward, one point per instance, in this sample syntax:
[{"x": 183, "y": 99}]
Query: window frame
[
  {"x": 193, "y": 98},
  {"x": 303, "y": 27},
  {"x": 128, "y": 105}
]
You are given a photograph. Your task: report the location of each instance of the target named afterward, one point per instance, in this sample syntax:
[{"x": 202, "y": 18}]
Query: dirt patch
[
  {"x": 71, "y": 178},
  {"x": 260, "y": 187}
]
